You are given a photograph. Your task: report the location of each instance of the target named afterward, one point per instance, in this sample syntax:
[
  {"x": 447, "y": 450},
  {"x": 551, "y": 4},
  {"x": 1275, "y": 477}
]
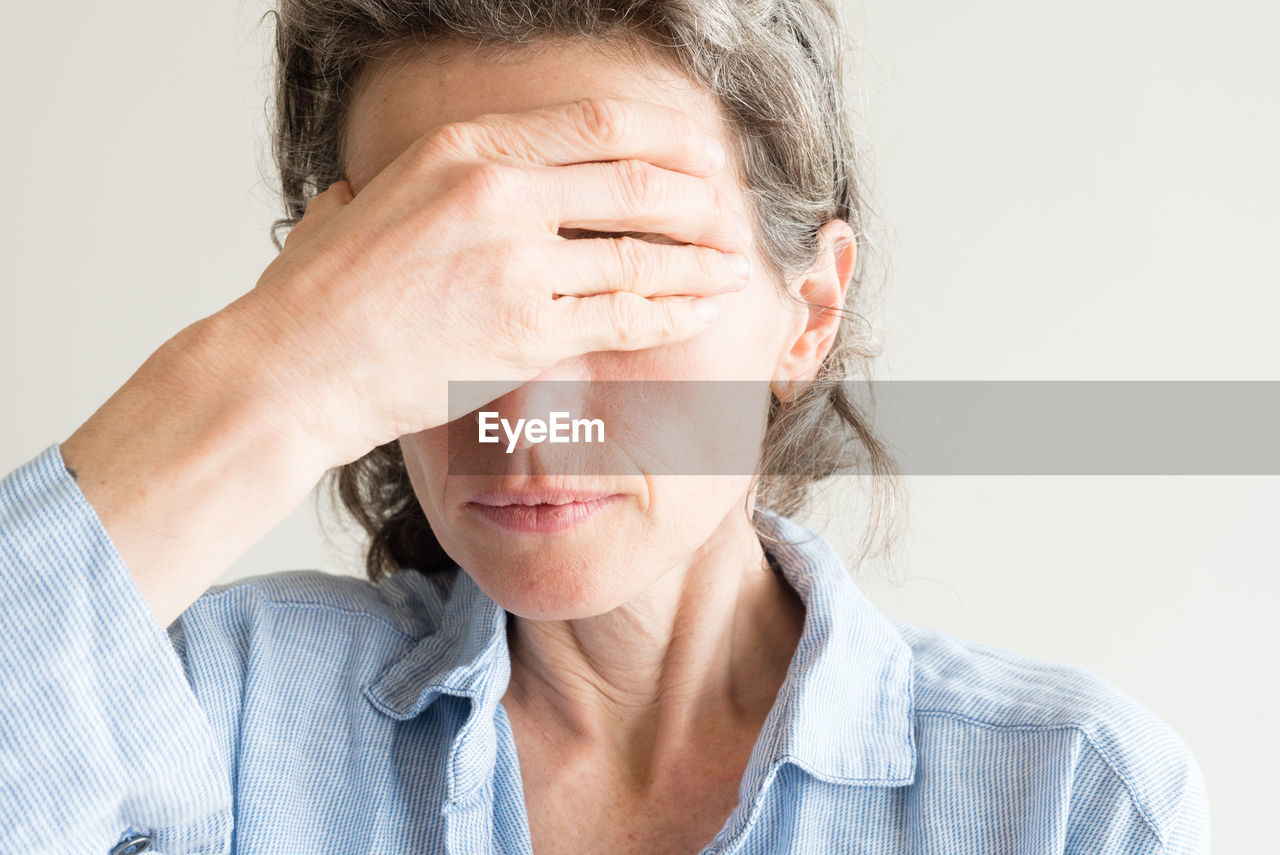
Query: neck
[{"x": 699, "y": 654}]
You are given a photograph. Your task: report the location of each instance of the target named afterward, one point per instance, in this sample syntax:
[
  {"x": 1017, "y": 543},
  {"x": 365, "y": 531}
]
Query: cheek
[
  {"x": 426, "y": 461},
  {"x": 745, "y": 339}
]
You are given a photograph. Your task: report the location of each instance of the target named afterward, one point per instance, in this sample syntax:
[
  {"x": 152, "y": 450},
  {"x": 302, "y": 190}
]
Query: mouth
[{"x": 540, "y": 511}]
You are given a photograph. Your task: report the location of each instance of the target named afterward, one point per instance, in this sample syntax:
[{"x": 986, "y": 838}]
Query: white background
[{"x": 1072, "y": 191}]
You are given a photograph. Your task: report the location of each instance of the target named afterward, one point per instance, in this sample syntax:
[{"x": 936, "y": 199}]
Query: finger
[
  {"x": 602, "y": 265},
  {"x": 635, "y": 195},
  {"x": 594, "y": 129},
  {"x": 625, "y": 321}
]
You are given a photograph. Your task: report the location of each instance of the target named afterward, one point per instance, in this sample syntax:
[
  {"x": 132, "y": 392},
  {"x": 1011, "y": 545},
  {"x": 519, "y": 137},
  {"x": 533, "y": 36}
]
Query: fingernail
[
  {"x": 715, "y": 153},
  {"x": 744, "y": 228},
  {"x": 704, "y": 309},
  {"x": 740, "y": 264}
]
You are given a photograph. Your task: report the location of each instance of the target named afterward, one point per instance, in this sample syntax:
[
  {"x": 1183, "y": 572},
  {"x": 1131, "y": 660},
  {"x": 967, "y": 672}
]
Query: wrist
[
  {"x": 247, "y": 350},
  {"x": 192, "y": 461}
]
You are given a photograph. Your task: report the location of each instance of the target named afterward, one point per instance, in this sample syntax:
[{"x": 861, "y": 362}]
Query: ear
[{"x": 823, "y": 286}]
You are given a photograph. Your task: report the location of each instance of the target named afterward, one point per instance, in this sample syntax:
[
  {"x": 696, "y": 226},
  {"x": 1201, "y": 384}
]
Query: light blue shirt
[{"x": 304, "y": 712}]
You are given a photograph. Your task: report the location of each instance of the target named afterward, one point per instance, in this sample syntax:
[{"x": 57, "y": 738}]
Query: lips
[
  {"x": 540, "y": 511},
  {"x": 550, "y": 496}
]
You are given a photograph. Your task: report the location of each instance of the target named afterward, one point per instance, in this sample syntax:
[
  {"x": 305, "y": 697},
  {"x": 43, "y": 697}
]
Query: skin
[{"x": 648, "y": 643}]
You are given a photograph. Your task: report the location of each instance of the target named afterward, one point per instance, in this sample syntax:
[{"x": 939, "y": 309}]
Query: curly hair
[{"x": 776, "y": 68}]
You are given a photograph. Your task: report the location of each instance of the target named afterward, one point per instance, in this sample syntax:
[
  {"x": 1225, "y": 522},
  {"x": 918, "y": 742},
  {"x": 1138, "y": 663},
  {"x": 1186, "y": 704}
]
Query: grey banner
[{"x": 929, "y": 427}]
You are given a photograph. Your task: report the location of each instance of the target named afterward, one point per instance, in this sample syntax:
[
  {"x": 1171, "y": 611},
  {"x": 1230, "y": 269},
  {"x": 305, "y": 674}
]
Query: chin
[{"x": 557, "y": 578}]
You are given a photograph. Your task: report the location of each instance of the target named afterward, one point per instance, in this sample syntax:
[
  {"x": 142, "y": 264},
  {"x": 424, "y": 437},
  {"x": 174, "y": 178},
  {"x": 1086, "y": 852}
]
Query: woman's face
[{"x": 652, "y": 524}]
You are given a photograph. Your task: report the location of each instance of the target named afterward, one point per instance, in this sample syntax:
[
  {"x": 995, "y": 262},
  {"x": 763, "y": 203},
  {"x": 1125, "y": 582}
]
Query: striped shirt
[{"x": 305, "y": 712}]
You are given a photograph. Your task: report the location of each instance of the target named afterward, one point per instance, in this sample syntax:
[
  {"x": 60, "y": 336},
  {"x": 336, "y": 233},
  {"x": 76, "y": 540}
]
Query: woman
[{"x": 544, "y": 659}]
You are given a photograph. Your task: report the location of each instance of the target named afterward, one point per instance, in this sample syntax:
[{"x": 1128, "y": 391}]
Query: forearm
[{"x": 194, "y": 459}]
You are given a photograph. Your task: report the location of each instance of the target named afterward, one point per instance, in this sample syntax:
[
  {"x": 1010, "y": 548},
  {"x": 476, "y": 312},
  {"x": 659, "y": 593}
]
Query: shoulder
[
  {"x": 991, "y": 685},
  {"x": 1116, "y": 743}
]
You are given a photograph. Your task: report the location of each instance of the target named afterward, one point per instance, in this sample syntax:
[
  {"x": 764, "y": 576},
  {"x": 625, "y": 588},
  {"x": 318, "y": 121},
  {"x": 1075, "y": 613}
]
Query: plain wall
[{"x": 1081, "y": 191}]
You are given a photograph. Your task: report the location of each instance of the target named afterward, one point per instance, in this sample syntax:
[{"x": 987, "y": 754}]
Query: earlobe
[{"x": 783, "y": 389}]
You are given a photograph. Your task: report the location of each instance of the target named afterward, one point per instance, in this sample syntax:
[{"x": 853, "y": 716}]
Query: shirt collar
[
  {"x": 466, "y": 656},
  {"x": 844, "y": 712}
]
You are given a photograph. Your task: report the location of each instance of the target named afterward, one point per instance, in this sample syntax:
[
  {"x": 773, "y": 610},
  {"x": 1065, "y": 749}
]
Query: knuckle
[
  {"x": 501, "y": 137},
  {"x": 600, "y": 120},
  {"x": 489, "y": 183},
  {"x": 636, "y": 260},
  {"x": 639, "y": 184},
  {"x": 668, "y": 321},
  {"x": 450, "y": 139},
  {"x": 628, "y": 321}
]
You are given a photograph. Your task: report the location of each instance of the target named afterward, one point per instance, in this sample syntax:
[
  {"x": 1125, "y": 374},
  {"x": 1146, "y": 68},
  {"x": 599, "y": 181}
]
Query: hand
[{"x": 450, "y": 264}]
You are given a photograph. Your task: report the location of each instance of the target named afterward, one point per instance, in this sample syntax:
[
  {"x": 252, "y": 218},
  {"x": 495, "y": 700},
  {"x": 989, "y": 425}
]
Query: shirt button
[{"x": 132, "y": 845}]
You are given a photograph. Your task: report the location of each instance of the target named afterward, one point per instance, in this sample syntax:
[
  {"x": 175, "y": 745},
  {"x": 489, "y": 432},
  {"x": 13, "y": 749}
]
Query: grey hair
[{"x": 776, "y": 68}]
